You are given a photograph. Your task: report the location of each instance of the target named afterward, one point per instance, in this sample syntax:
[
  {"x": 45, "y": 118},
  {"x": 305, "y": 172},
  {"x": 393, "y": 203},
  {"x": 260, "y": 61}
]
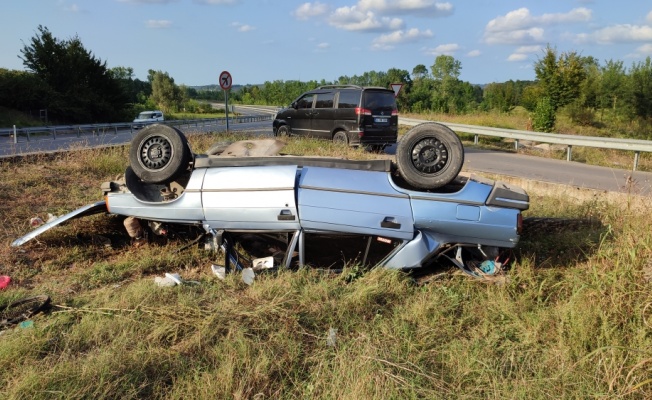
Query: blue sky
[{"x": 267, "y": 40}]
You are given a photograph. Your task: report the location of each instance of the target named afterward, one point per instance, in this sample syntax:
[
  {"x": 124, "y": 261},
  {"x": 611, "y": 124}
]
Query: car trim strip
[{"x": 325, "y": 189}]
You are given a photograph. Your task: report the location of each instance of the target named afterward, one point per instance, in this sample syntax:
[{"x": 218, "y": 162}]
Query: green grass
[{"x": 571, "y": 321}]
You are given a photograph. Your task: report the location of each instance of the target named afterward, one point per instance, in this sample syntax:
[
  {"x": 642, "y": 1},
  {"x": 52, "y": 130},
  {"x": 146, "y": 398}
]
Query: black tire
[
  {"x": 159, "y": 153},
  {"x": 218, "y": 148},
  {"x": 341, "y": 137},
  {"x": 22, "y": 310},
  {"x": 429, "y": 156},
  {"x": 283, "y": 131}
]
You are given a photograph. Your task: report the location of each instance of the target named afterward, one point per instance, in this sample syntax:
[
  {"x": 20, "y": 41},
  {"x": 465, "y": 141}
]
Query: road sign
[
  {"x": 396, "y": 87},
  {"x": 225, "y": 80}
]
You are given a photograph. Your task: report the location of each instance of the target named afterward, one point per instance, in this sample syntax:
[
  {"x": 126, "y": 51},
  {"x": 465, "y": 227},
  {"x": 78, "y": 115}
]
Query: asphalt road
[{"x": 501, "y": 163}]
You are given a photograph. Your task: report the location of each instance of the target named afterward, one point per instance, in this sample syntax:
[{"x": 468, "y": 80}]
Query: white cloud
[
  {"x": 73, "y": 8},
  {"x": 147, "y": 1},
  {"x": 388, "y": 41},
  {"x": 444, "y": 49},
  {"x": 532, "y": 35},
  {"x": 309, "y": 10},
  {"x": 517, "y": 57},
  {"x": 352, "y": 19},
  {"x": 323, "y": 46},
  {"x": 619, "y": 34},
  {"x": 158, "y": 24},
  {"x": 649, "y": 17},
  {"x": 431, "y": 8},
  {"x": 474, "y": 53},
  {"x": 646, "y": 49},
  {"x": 529, "y": 49},
  {"x": 243, "y": 27},
  {"x": 520, "y": 26},
  {"x": 215, "y": 2}
]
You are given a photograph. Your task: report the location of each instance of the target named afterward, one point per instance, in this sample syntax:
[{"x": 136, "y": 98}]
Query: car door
[
  {"x": 323, "y": 115},
  {"x": 251, "y": 198},
  {"x": 301, "y": 120},
  {"x": 353, "y": 201}
]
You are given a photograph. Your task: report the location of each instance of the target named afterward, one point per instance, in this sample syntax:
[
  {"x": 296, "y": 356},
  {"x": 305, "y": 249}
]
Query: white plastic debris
[
  {"x": 51, "y": 217},
  {"x": 248, "y": 276},
  {"x": 164, "y": 281},
  {"x": 176, "y": 278},
  {"x": 219, "y": 271},
  {"x": 172, "y": 280},
  {"x": 331, "y": 338},
  {"x": 263, "y": 263}
]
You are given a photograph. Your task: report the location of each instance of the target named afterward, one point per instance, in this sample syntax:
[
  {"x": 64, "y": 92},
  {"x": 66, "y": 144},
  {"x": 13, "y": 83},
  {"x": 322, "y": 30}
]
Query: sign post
[{"x": 225, "y": 84}]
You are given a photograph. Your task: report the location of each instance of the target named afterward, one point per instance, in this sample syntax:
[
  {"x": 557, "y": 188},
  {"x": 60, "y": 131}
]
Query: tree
[
  {"x": 419, "y": 72},
  {"x": 83, "y": 90},
  {"x": 165, "y": 93},
  {"x": 561, "y": 77}
]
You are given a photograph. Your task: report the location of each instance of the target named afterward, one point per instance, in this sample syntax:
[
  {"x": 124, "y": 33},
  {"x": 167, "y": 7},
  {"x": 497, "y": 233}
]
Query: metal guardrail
[
  {"x": 26, "y": 134},
  {"x": 637, "y": 146}
]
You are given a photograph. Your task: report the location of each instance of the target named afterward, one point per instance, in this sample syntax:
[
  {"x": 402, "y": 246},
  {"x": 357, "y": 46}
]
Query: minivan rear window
[
  {"x": 349, "y": 99},
  {"x": 375, "y": 100}
]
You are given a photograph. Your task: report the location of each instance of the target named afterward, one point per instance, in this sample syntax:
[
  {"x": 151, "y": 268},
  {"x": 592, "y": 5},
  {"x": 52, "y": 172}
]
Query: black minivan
[{"x": 348, "y": 114}]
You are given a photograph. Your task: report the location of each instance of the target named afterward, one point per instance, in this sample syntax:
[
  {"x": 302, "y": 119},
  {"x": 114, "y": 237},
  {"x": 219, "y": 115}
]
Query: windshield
[{"x": 145, "y": 115}]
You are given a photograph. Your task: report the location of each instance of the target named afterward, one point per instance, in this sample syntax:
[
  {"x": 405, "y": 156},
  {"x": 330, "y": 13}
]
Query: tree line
[{"x": 77, "y": 87}]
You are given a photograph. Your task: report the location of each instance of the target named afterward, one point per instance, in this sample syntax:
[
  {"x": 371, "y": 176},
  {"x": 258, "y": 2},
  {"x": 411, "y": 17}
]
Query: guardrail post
[
  {"x": 15, "y": 135},
  {"x": 636, "y": 155},
  {"x": 569, "y": 152},
  {"x": 475, "y": 139},
  {"x": 516, "y": 145},
  {"x": 28, "y": 136},
  {"x": 79, "y": 131},
  {"x": 54, "y": 133}
]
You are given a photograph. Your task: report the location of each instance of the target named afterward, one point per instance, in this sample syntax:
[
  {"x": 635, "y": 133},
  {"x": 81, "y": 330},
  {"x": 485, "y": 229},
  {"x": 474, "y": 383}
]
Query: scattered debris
[
  {"x": 248, "y": 276},
  {"x": 219, "y": 271},
  {"x": 4, "y": 281},
  {"x": 263, "y": 263},
  {"x": 172, "y": 280},
  {"x": 22, "y": 310},
  {"x": 331, "y": 338},
  {"x": 36, "y": 222}
]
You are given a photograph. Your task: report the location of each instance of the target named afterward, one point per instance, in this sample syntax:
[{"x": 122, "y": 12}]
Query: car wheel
[
  {"x": 283, "y": 131},
  {"x": 159, "y": 153},
  {"x": 429, "y": 156},
  {"x": 341, "y": 137}
]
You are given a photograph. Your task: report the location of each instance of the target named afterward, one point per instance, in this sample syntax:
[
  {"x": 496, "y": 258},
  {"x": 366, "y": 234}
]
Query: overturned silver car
[{"x": 417, "y": 209}]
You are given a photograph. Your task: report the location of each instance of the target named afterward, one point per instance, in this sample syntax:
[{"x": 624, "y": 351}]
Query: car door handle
[
  {"x": 286, "y": 215},
  {"x": 390, "y": 222}
]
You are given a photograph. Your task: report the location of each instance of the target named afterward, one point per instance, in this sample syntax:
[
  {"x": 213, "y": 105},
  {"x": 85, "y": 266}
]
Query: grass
[{"x": 572, "y": 320}]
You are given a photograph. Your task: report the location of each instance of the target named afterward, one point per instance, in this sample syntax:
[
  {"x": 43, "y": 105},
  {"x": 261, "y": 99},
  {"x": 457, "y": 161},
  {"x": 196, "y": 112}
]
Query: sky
[{"x": 268, "y": 40}]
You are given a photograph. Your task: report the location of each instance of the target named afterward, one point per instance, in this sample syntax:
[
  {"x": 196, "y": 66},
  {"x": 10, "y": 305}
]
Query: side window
[
  {"x": 305, "y": 101},
  {"x": 348, "y": 99},
  {"x": 324, "y": 100}
]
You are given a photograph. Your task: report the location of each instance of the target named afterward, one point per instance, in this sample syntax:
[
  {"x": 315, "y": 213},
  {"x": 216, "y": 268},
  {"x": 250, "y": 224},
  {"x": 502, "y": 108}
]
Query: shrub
[{"x": 544, "y": 118}]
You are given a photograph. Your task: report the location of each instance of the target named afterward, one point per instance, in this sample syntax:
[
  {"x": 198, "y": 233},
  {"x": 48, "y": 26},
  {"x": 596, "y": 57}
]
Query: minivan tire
[
  {"x": 429, "y": 156},
  {"x": 283, "y": 131},
  {"x": 341, "y": 137},
  {"x": 159, "y": 153}
]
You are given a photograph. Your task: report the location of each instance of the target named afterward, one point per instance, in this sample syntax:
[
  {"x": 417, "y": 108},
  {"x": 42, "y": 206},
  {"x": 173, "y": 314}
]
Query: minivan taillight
[
  {"x": 394, "y": 112},
  {"x": 362, "y": 111}
]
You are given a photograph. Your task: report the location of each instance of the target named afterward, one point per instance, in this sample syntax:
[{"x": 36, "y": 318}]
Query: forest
[{"x": 589, "y": 92}]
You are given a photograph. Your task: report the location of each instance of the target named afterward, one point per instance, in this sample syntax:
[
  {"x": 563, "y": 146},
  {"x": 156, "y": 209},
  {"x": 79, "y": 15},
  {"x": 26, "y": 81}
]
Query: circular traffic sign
[{"x": 225, "y": 80}]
